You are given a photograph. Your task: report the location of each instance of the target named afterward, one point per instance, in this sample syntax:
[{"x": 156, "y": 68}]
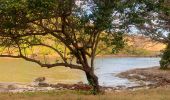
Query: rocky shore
[
  {"x": 148, "y": 77},
  {"x": 18, "y": 87}
]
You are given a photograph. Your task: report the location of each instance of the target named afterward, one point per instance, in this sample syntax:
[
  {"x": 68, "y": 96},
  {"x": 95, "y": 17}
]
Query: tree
[
  {"x": 53, "y": 25},
  {"x": 158, "y": 27},
  {"x": 78, "y": 26},
  {"x": 165, "y": 16}
]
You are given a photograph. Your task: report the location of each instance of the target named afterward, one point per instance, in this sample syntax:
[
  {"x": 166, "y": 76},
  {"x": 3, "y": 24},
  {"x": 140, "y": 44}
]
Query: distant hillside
[
  {"x": 145, "y": 43},
  {"x": 139, "y": 46}
]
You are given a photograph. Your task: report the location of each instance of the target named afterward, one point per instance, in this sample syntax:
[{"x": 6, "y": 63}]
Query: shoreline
[
  {"x": 126, "y": 56},
  {"x": 107, "y": 55},
  {"x": 154, "y": 77},
  {"x": 147, "y": 78}
]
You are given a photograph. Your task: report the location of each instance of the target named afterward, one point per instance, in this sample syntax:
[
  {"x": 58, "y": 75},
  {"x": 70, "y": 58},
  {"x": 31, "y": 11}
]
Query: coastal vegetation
[
  {"x": 71, "y": 33},
  {"x": 77, "y": 26},
  {"x": 159, "y": 29}
]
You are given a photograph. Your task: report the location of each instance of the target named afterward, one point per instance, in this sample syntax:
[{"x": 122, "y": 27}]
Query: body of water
[{"x": 108, "y": 67}]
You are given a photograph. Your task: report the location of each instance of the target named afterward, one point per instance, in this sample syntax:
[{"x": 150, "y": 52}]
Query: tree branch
[{"x": 44, "y": 65}]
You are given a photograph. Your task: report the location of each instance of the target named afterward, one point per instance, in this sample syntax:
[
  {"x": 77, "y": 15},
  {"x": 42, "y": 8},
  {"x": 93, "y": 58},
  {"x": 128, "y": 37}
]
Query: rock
[
  {"x": 120, "y": 87},
  {"x": 109, "y": 90},
  {"x": 50, "y": 88},
  {"x": 34, "y": 84},
  {"x": 43, "y": 84},
  {"x": 72, "y": 88},
  {"x": 39, "y": 79},
  {"x": 12, "y": 87},
  {"x": 80, "y": 83},
  {"x": 17, "y": 91}
]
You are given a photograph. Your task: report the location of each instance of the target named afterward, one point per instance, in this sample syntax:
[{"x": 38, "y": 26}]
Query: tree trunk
[{"x": 93, "y": 81}]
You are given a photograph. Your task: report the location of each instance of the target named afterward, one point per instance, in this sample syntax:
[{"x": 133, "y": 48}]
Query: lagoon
[{"x": 106, "y": 68}]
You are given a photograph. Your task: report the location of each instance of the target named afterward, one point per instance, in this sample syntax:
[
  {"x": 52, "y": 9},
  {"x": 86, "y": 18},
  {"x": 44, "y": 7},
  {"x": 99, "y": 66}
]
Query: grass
[
  {"x": 19, "y": 70},
  {"x": 153, "y": 94}
]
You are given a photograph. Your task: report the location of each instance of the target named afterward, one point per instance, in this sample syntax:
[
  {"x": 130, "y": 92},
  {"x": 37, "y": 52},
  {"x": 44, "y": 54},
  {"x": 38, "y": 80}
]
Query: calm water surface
[{"x": 108, "y": 67}]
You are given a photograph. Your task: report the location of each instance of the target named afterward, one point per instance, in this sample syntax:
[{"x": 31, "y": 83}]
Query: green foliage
[
  {"x": 165, "y": 60},
  {"x": 118, "y": 42},
  {"x": 165, "y": 11},
  {"x": 12, "y": 13},
  {"x": 18, "y": 13}
]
